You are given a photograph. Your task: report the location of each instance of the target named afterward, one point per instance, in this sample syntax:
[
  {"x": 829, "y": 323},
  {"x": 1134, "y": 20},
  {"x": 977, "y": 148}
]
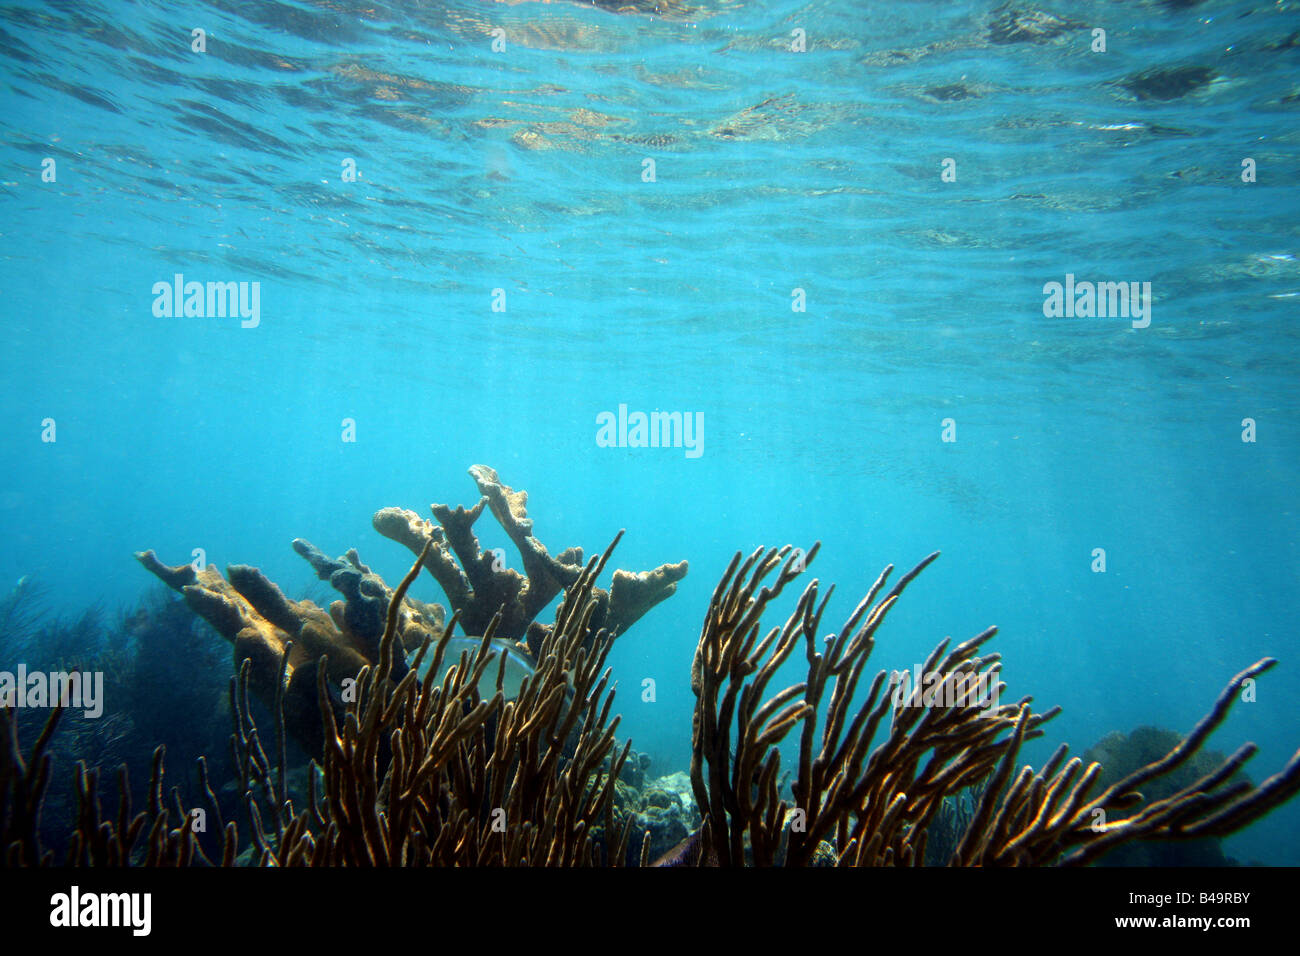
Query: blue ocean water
[{"x": 665, "y": 206}]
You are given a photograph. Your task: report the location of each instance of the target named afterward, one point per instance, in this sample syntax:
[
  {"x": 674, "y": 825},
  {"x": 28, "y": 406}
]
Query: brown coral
[
  {"x": 874, "y": 807},
  {"x": 251, "y": 612},
  {"x": 477, "y": 584}
]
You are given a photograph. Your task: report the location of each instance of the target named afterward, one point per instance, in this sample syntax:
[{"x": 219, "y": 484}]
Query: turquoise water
[{"x": 524, "y": 170}]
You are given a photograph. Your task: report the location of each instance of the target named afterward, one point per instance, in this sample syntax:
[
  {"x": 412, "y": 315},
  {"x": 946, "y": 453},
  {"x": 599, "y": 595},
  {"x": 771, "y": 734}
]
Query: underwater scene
[{"x": 656, "y": 433}]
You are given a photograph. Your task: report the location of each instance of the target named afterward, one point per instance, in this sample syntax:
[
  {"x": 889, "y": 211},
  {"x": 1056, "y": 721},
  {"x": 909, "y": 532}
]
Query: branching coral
[
  {"x": 157, "y": 656},
  {"x": 285, "y": 639},
  {"x": 875, "y": 807},
  {"x": 145, "y": 838},
  {"x": 1120, "y": 755},
  {"x": 480, "y": 585},
  {"x": 22, "y": 791},
  {"x": 414, "y": 773},
  {"x": 471, "y": 781},
  {"x": 429, "y": 771}
]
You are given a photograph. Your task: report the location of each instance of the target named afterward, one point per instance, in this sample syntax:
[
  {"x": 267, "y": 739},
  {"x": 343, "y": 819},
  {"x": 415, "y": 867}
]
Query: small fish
[
  {"x": 519, "y": 664},
  {"x": 690, "y": 852}
]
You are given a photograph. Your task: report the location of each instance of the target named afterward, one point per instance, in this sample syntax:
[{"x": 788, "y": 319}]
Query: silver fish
[{"x": 519, "y": 664}]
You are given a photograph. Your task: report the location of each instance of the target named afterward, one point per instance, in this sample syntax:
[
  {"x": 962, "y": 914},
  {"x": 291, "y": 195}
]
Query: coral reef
[
  {"x": 157, "y": 656},
  {"x": 413, "y": 772},
  {"x": 666, "y": 813},
  {"x": 951, "y": 822},
  {"x": 875, "y": 807},
  {"x": 477, "y": 583},
  {"x": 661, "y": 810},
  {"x": 432, "y": 771},
  {"x": 285, "y": 639}
]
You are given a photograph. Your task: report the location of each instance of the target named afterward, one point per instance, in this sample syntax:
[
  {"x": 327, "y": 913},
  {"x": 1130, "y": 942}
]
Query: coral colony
[{"x": 497, "y": 745}]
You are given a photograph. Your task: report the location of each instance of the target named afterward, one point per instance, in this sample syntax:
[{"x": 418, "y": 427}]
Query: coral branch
[
  {"x": 858, "y": 810},
  {"x": 285, "y": 639},
  {"x": 478, "y": 585}
]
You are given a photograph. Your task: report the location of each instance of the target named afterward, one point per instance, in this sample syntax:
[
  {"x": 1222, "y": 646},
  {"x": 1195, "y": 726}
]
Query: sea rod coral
[
  {"x": 855, "y": 805},
  {"x": 429, "y": 771},
  {"x": 416, "y": 772}
]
